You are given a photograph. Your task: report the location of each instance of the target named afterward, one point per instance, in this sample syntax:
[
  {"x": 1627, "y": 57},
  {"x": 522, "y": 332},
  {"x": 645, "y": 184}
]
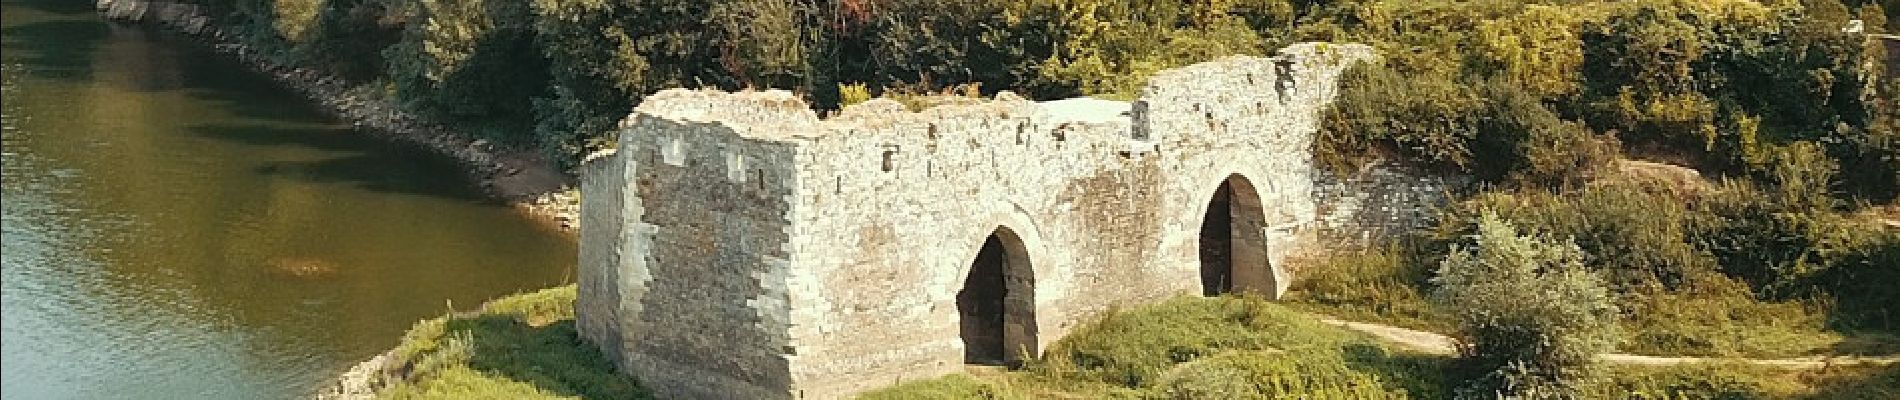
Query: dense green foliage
[
  {"x": 1736, "y": 244},
  {"x": 1699, "y": 268},
  {"x": 1548, "y": 91},
  {"x": 1531, "y": 317},
  {"x": 559, "y": 73},
  {"x": 1542, "y": 91}
]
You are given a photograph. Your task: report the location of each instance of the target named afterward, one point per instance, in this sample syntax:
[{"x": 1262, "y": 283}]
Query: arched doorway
[
  {"x": 1234, "y": 242},
  {"x": 997, "y": 306}
]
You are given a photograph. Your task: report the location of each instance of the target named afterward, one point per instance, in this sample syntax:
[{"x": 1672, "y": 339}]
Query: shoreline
[{"x": 524, "y": 179}]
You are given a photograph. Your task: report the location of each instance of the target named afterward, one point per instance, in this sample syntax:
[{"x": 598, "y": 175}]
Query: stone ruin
[{"x": 736, "y": 245}]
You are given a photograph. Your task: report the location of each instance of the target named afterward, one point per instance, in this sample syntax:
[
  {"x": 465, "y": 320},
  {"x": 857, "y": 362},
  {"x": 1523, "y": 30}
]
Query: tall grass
[{"x": 1385, "y": 284}]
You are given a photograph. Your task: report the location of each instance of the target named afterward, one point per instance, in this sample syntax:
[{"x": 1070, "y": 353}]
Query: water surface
[{"x": 178, "y": 227}]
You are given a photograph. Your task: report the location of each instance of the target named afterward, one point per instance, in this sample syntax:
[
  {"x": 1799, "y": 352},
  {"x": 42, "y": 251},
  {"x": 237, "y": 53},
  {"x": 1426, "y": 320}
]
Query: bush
[
  {"x": 1531, "y": 317},
  {"x": 350, "y": 36},
  {"x": 1722, "y": 270},
  {"x": 296, "y": 17},
  {"x": 1424, "y": 117},
  {"x": 1489, "y": 128},
  {"x": 470, "y": 63},
  {"x": 1786, "y": 238},
  {"x": 1860, "y": 286},
  {"x": 1635, "y": 235},
  {"x": 851, "y": 94}
]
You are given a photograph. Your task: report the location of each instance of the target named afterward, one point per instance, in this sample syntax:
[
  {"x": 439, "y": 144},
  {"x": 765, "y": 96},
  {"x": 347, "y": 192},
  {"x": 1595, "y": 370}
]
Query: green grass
[
  {"x": 525, "y": 347},
  {"x": 517, "y": 347},
  {"x": 1715, "y": 325},
  {"x": 1202, "y": 348},
  {"x": 1378, "y": 285},
  {"x": 1716, "y": 318},
  {"x": 1743, "y": 381},
  {"x": 1233, "y": 348}
]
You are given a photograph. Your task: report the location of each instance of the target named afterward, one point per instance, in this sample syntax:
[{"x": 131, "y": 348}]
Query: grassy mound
[
  {"x": 1201, "y": 348},
  {"x": 517, "y": 347}
]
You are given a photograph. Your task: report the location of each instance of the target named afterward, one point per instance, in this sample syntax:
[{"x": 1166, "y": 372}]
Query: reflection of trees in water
[{"x": 225, "y": 213}]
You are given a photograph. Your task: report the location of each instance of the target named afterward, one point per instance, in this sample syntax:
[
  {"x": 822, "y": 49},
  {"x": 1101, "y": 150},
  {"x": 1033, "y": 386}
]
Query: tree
[{"x": 1530, "y": 316}]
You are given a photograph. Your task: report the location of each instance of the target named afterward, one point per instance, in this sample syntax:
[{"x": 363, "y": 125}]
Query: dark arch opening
[
  {"x": 1233, "y": 241},
  {"x": 997, "y": 306}
]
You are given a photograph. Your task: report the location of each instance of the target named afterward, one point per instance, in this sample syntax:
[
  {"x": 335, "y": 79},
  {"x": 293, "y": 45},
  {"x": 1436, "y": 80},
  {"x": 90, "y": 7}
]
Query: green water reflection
[{"x": 175, "y": 227}]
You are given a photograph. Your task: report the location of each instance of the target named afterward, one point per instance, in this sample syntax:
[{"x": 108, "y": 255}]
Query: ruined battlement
[{"x": 737, "y": 245}]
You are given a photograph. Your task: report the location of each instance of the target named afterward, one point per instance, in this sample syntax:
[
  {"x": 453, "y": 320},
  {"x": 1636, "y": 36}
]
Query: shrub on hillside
[
  {"x": 1490, "y": 128},
  {"x": 1788, "y": 241},
  {"x": 1635, "y": 235},
  {"x": 1531, "y": 317},
  {"x": 1783, "y": 236},
  {"x": 1425, "y": 117},
  {"x": 1860, "y": 286},
  {"x": 1644, "y": 239}
]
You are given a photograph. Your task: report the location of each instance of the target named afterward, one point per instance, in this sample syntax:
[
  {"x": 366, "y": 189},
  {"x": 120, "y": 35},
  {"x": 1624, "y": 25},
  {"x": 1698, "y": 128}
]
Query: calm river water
[{"x": 177, "y": 227}]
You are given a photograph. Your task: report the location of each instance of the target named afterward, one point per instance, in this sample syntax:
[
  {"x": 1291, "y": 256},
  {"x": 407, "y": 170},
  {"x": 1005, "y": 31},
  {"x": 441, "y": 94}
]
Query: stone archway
[
  {"x": 996, "y": 308},
  {"x": 1233, "y": 241}
]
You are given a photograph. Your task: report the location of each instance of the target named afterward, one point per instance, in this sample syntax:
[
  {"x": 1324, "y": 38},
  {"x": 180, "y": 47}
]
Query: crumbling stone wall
[
  {"x": 1378, "y": 200},
  {"x": 1889, "y": 44},
  {"x": 737, "y": 246}
]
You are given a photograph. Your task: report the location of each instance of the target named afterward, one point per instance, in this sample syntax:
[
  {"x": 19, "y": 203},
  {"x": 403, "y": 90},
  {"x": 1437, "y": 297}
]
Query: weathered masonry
[{"x": 738, "y": 246}]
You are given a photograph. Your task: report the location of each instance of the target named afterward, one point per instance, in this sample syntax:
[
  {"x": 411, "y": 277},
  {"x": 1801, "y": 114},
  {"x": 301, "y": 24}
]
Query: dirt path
[{"x": 1440, "y": 344}]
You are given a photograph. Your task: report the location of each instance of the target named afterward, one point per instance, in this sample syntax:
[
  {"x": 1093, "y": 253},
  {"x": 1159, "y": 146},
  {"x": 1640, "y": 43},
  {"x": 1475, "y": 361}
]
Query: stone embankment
[{"x": 524, "y": 178}]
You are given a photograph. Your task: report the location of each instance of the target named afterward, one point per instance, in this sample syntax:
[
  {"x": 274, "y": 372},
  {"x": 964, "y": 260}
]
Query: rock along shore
[{"x": 525, "y": 179}]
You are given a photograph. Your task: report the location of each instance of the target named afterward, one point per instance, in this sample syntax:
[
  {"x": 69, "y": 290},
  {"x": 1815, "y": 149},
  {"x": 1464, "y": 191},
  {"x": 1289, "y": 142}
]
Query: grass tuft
[{"x": 518, "y": 347}]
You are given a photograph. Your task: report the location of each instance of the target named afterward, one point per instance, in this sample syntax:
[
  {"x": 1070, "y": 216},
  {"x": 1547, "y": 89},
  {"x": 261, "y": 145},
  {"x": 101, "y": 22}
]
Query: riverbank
[
  {"x": 525, "y": 179},
  {"x": 517, "y": 347}
]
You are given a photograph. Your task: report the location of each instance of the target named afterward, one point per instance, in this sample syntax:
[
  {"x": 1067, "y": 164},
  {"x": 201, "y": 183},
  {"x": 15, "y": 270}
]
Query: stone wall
[
  {"x": 1889, "y": 44},
  {"x": 684, "y": 252},
  {"x": 1378, "y": 200},
  {"x": 737, "y": 246}
]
